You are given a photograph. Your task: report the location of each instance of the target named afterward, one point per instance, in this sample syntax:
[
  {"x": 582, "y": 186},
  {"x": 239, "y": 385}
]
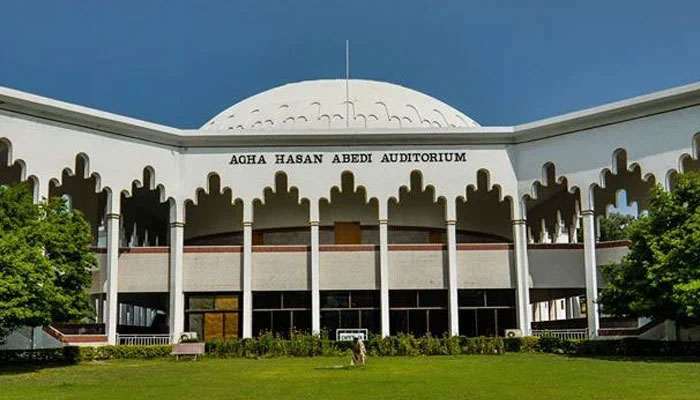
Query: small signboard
[{"x": 346, "y": 335}]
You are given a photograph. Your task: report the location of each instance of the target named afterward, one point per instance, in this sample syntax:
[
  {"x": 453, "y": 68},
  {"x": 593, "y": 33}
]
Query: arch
[
  {"x": 281, "y": 215},
  {"x": 417, "y": 214},
  {"x": 482, "y": 213},
  {"x": 213, "y": 216},
  {"x": 621, "y": 175}
]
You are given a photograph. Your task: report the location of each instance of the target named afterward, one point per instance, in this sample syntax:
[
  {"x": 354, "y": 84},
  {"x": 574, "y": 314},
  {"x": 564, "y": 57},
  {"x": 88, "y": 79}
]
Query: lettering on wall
[{"x": 349, "y": 158}]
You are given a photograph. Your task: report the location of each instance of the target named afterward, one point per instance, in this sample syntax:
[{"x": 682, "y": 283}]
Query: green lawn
[{"x": 521, "y": 376}]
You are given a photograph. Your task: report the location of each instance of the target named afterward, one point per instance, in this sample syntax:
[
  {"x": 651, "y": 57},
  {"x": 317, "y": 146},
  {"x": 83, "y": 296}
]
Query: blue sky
[{"x": 500, "y": 62}]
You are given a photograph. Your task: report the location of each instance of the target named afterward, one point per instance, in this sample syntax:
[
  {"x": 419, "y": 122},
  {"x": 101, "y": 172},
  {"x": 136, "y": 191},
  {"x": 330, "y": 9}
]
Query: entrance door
[{"x": 348, "y": 233}]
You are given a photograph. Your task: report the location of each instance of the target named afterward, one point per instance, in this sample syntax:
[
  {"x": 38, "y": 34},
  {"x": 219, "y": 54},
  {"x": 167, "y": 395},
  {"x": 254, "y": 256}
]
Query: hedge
[{"x": 401, "y": 345}]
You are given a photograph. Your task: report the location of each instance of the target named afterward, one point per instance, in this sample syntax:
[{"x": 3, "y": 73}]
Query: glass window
[
  {"x": 364, "y": 299},
  {"x": 506, "y": 320},
  {"x": 486, "y": 322},
  {"x": 262, "y": 322},
  {"x": 467, "y": 323},
  {"x": 500, "y": 298},
  {"x": 402, "y": 299},
  {"x": 196, "y": 324},
  {"x": 437, "y": 322},
  {"x": 471, "y": 298},
  {"x": 350, "y": 319},
  {"x": 335, "y": 300},
  {"x": 226, "y": 302},
  {"x": 267, "y": 300},
  {"x": 296, "y": 300},
  {"x": 432, "y": 298},
  {"x": 199, "y": 302}
]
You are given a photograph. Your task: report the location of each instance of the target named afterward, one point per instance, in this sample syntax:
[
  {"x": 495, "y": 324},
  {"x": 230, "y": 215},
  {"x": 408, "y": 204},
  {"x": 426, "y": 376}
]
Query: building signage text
[{"x": 348, "y": 158}]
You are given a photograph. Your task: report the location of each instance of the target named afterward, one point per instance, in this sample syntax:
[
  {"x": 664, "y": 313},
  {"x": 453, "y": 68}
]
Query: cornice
[{"x": 29, "y": 105}]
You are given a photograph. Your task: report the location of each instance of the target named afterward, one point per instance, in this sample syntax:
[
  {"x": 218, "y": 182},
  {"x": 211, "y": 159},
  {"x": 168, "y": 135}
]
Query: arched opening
[
  {"x": 145, "y": 214},
  {"x": 483, "y": 216},
  {"x": 281, "y": 220},
  {"x": 553, "y": 216},
  {"x": 348, "y": 217},
  {"x": 215, "y": 218},
  {"x": 417, "y": 232}
]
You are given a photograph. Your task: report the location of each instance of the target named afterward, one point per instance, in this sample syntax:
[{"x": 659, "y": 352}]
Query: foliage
[
  {"x": 124, "y": 352},
  {"x": 660, "y": 276},
  {"x": 615, "y": 226},
  {"x": 61, "y": 355},
  {"x": 45, "y": 261}
]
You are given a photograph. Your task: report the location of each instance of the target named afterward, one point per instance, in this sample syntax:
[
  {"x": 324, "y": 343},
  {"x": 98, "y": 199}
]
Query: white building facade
[{"x": 333, "y": 204}]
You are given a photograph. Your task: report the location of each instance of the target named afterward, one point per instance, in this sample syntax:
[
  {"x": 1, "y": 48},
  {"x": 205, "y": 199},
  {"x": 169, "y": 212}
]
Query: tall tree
[
  {"x": 660, "y": 276},
  {"x": 45, "y": 261}
]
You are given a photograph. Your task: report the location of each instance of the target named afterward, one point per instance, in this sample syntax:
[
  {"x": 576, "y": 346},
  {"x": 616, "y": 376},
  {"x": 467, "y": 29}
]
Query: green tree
[
  {"x": 45, "y": 261},
  {"x": 615, "y": 226},
  {"x": 660, "y": 276}
]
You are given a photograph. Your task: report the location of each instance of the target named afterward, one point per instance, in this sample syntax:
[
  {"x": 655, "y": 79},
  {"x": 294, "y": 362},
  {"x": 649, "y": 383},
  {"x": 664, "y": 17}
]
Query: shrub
[{"x": 124, "y": 352}]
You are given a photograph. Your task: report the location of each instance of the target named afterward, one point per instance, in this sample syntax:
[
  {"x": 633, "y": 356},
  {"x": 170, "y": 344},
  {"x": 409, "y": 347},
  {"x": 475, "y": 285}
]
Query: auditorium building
[{"x": 333, "y": 204}]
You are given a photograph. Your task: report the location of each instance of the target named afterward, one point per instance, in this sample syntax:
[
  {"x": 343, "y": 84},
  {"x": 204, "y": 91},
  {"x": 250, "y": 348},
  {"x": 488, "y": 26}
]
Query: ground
[{"x": 512, "y": 376}]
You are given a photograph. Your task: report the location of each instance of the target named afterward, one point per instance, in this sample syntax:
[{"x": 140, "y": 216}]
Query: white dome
[{"x": 321, "y": 105}]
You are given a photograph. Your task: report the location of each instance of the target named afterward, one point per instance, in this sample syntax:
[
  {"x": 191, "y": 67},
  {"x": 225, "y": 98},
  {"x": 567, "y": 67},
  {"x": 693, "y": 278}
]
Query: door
[{"x": 348, "y": 233}]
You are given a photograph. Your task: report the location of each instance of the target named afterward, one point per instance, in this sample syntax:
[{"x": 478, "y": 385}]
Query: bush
[
  {"x": 124, "y": 352},
  {"x": 60, "y": 355}
]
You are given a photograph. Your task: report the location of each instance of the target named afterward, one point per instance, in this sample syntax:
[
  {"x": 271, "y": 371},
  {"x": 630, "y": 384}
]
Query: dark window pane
[
  {"x": 281, "y": 323},
  {"x": 262, "y": 322},
  {"x": 471, "y": 298},
  {"x": 398, "y": 322},
  {"x": 371, "y": 321},
  {"x": 198, "y": 302},
  {"x": 417, "y": 322},
  {"x": 350, "y": 319},
  {"x": 301, "y": 321},
  {"x": 467, "y": 323},
  {"x": 505, "y": 298},
  {"x": 362, "y": 299},
  {"x": 506, "y": 320},
  {"x": 297, "y": 300},
  {"x": 266, "y": 300},
  {"x": 402, "y": 298},
  {"x": 330, "y": 321},
  {"x": 486, "y": 322},
  {"x": 437, "y": 324},
  {"x": 432, "y": 298},
  {"x": 334, "y": 300},
  {"x": 196, "y": 324}
]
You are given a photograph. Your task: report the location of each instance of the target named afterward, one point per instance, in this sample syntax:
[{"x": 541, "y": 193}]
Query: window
[
  {"x": 486, "y": 312},
  {"x": 350, "y": 309},
  {"x": 418, "y": 312},
  {"x": 213, "y": 316},
  {"x": 281, "y": 312}
]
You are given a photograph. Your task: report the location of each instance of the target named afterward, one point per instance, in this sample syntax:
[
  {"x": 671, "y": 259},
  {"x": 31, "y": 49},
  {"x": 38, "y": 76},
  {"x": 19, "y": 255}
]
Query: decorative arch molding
[
  {"x": 552, "y": 207},
  {"x": 403, "y": 209},
  {"x": 483, "y": 209},
  {"x": 347, "y": 201},
  {"x": 622, "y": 175},
  {"x": 147, "y": 181},
  {"x": 348, "y": 177},
  {"x": 9, "y": 168},
  {"x": 416, "y": 182}
]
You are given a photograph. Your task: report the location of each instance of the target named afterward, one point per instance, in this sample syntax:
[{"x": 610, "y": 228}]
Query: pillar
[
  {"x": 177, "y": 296},
  {"x": 522, "y": 274},
  {"x": 452, "y": 298},
  {"x": 384, "y": 267},
  {"x": 315, "y": 269},
  {"x": 112, "y": 298},
  {"x": 589, "y": 234},
  {"x": 247, "y": 270}
]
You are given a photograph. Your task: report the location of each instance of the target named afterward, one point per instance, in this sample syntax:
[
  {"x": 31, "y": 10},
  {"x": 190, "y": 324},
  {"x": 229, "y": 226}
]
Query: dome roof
[{"x": 321, "y": 105}]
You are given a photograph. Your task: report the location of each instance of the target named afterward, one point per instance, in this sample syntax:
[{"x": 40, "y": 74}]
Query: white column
[
  {"x": 315, "y": 279},
  {"x": 591, "y": 272},
  {"x": 453, "y": 303},
  {"x": 112, "y": 319},
  {"x": 384, "y": 267},
  {"x": 177, "y": 296},
  {"x": 247, "y": 270},
  {"x": 522, "y": 274}
]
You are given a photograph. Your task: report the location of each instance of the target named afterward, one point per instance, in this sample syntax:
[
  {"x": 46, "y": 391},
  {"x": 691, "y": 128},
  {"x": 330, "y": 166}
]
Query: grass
[{"x": 512, "y": 376}]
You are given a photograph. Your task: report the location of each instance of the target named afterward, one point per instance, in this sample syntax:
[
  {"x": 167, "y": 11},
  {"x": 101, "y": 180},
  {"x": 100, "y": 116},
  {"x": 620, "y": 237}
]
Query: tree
[
  {"x": 45, "y": 261},
  {"x": 615, "y": 226},
  {"x": 660, "y": 275}
]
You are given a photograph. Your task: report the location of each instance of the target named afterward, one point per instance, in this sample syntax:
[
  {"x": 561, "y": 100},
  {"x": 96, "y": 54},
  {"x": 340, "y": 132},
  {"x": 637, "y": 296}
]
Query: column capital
[
  {"x": 451, "y": 222},
  {"x": 383, "y": 222},
  {"x": 521, "y": 221},
  {"x": 176, "y": 224},
  {"x": 314, "y": 223},
  {"x": 247, "y": 223},
  {"x": 588, "y": 212},
  {"x": 113, "y": 216}
]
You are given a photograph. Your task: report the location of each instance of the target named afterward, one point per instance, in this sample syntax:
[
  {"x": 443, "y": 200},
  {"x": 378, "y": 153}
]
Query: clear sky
[{"x": 501, "y": 62}]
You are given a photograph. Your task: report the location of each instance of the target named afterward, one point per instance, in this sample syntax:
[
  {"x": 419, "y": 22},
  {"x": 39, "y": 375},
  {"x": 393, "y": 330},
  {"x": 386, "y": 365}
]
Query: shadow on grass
[{"x": 27, "y": 368}]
